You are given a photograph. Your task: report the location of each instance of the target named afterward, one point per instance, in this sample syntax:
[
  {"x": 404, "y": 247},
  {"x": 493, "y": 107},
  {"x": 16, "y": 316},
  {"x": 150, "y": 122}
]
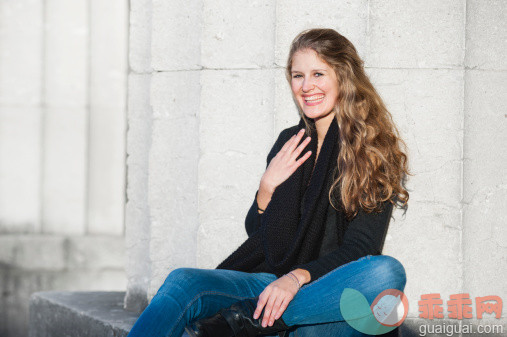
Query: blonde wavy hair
[{"x": 371, "y": 166}]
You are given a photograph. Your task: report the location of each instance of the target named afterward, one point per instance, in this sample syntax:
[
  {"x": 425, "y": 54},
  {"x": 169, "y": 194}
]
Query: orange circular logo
[{"x": 388, "y": 306}]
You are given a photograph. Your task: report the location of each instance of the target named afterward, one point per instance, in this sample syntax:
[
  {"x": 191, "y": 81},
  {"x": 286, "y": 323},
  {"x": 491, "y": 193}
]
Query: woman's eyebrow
[{"x": 297, "y": 71}]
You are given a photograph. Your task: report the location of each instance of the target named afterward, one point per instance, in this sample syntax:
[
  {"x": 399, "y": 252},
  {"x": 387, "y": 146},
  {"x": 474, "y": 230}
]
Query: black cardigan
[{"x": 346, "y": 242}]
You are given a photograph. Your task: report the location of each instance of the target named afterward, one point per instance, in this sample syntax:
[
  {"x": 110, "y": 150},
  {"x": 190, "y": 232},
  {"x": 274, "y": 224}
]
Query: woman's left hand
[{"x": 276, "y": 297}]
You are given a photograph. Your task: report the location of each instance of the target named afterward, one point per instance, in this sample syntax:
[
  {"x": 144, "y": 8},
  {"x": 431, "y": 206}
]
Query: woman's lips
[{"x": 313, "y": 100}]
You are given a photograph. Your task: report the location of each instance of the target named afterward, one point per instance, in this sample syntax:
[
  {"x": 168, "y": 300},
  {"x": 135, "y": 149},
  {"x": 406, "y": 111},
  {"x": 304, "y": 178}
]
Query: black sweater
[{"x": 344, "y": 241}]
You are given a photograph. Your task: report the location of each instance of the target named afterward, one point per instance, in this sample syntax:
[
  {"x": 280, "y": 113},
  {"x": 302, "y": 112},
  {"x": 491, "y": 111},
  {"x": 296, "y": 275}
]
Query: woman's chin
[{"x": 315, "y": 115}]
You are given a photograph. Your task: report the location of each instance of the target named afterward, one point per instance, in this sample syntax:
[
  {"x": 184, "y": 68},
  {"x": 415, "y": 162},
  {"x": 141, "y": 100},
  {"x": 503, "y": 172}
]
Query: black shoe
[
  {"x": 239, "y": 319},
  {"x": 215, "y": 325}
]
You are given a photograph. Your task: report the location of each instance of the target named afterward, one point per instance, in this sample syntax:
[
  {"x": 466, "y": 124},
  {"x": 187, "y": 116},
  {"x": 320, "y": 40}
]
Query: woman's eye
[
  {"x": 296, "y": 76},
  {"x": 318, "y": 74}
]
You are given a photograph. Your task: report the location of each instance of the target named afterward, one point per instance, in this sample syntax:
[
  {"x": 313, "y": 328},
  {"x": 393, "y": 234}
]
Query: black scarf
[{"x": 291, "y": 234}]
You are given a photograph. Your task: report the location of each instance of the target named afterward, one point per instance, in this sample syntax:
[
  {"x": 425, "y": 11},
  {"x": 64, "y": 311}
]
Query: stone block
[
  {"x": 432, "y": 260},
  {"x": 231, "y": 162},
  {"x": 175, "y": 95},
  {"x": 485, "y": 137},
  {"x": 486, "y": 35},
  {"x": 20, "y": 157},
  {"x": 226, "y": 184},
  {"x": 349, "y": 18},
  {"x": 225, "y": 233},
  {"x": 64, "y": 171},
  {"x": 66, "y": 53},
  {"x": 21, "y": 36},
  {"x": 236, "y": 100},
  {"x": 172, "y": 195},
  {"x": 427, "y": 108},
  {"x": 140, "y": 36},
  {"x": 176, "y": 35},
  {"x": 426, "y": 34},
  {"x": 56, "y": 313},
  {"x": 238, "y": 34},
  {"x": 485, "y": 183},
  {"x": 172, "y": 184},
  {"x": 137, "y": 216},
  {"x": 139, "y": 89},
  {"x": 80, "y": 314}
]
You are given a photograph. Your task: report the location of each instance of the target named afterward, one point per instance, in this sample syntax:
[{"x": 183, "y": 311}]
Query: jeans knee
[
  {"x": 178, "y": 278},
  {"x": 180, "y": 273},
  {"x": 391, "y": 270}
]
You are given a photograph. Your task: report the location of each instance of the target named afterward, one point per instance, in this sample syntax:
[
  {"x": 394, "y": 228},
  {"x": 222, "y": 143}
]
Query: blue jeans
[{"x": 189, "y": 294}]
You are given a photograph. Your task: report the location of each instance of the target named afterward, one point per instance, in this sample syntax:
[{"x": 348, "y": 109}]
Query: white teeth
[{"x": 314, "y": 98}]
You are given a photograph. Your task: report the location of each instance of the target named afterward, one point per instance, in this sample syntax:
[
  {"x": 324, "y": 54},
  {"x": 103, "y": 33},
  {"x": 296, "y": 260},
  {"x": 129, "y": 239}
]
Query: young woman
[{"x": 318, "y": 220}]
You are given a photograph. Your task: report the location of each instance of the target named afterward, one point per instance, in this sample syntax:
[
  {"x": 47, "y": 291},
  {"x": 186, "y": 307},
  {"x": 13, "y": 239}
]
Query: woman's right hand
[{"x": 284, "y": 164}]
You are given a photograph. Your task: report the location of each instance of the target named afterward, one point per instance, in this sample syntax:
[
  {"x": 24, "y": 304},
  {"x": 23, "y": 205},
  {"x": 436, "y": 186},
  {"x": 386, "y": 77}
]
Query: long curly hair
[{"x": 371, "y": 166}]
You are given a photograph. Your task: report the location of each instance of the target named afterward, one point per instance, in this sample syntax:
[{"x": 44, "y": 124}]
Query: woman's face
[{"x": 314, "y": 84}]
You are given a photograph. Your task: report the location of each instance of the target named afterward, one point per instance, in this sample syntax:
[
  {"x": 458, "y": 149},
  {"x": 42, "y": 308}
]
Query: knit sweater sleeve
[
  {"x": 253, "y": 218},
  {"x": 364, "y": 235}
]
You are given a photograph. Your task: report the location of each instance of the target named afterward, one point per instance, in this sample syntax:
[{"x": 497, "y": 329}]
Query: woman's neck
[{"x": 322, "y": 125}]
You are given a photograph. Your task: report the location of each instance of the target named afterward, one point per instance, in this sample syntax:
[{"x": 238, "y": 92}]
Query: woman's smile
[{"x": 313, "y": 99}]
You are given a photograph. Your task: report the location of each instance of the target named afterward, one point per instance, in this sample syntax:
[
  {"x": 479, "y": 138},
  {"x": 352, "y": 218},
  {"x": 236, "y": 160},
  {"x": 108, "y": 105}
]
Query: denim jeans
[{"x": 189, "y": 294}]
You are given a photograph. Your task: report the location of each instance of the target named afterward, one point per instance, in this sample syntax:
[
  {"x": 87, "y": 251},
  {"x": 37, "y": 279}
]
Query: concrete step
[{"x": 80, "y": 314}]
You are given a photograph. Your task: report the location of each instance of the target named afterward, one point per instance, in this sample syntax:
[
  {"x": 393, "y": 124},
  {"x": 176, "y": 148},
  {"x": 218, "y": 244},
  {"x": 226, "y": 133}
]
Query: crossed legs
[{"x": 189, "y": 294}]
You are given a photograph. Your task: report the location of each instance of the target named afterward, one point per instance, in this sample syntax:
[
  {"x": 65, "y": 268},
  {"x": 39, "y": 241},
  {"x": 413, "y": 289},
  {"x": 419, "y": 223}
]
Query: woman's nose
[{"x": 308, "y": 85}]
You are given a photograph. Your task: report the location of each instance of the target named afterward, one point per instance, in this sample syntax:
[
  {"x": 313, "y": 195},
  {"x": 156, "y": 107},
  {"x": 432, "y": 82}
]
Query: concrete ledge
[
  {"x": 77, "y": 314},
  {"x": 80, "y": 314}
]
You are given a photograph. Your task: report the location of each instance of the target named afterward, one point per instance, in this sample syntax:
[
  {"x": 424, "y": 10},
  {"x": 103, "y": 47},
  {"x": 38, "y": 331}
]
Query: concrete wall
[
  {"x": 208, "y": 98},
  {"x": 63, "y": 71}
]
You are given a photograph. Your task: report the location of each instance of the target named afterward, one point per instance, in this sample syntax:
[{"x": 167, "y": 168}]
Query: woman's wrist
[
  {"x": 266, "y": 187},
  {"x": 263, "y": 196},
  {"x": 302, "y": 275},
  {"x": 294, "y": 279}
]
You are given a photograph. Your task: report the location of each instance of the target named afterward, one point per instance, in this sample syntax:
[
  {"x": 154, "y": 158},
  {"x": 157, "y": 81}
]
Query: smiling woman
[
  {"x": 315, "y": 88},
  {"x": 318, "y": 221}
]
